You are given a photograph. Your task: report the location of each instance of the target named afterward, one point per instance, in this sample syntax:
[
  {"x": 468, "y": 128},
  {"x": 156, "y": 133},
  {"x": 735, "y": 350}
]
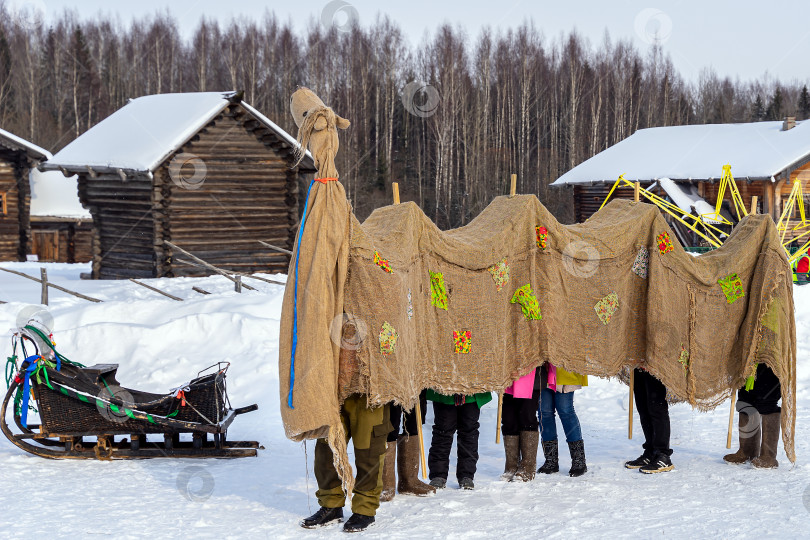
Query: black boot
[
  {"x": 578, "y": 466},
  {"x": 324, "y": 516},
  {"x": 551, "y": 453},
  {"x": 357, "y": 523}
]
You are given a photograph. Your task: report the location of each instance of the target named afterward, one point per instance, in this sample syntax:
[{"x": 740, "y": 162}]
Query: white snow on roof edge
[{"x": 25, "y": 144}]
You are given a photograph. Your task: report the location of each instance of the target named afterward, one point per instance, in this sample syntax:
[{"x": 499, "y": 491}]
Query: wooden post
[
  {"x": 237, "y": 283},
  {"x": 43, "y": 274},
  {"x": 51, "y": 285},
  {"x": 498, "y": 420},
  {"x": 513, "y": 186},
  {"x": 630, "y": 406},
  {"x": 418, "y": 411},
  {"x": 395, "y": 185},
  {"x": 731, "y": 419},
  {"x": 754, "y": 201},
  {"x": 636, "y": 192}
]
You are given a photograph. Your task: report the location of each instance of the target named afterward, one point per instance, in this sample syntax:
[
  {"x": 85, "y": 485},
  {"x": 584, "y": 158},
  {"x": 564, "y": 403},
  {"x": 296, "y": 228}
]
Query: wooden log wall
[
  {"x": 249, "y": 193},
  {"x": 14, "y": 225},
  {"x": 123, "y": 225},
  {"x": 588, "y": 199}
]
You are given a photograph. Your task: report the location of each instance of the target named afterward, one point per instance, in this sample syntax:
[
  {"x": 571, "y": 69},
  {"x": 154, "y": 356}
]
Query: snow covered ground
[{"x": 160, "y": 343}]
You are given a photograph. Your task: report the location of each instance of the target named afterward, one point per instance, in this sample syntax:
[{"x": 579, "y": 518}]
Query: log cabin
[
  {"x": 17, "y": 156},
  {"x": 205, "y": 171},
  {"x": 766, "y": 158}
]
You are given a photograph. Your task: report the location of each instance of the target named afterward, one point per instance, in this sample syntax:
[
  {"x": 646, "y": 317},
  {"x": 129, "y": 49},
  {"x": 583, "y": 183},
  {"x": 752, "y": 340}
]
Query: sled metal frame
[{"x": 72, "y": 445}]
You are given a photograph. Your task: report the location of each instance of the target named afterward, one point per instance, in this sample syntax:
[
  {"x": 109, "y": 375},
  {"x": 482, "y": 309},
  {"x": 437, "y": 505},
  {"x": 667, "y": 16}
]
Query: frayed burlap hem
[{"x": 340, "y": 457}]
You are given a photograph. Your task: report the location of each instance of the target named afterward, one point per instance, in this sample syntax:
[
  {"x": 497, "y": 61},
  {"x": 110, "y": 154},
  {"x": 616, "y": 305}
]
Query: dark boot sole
[{"x": 319, "y": 525}]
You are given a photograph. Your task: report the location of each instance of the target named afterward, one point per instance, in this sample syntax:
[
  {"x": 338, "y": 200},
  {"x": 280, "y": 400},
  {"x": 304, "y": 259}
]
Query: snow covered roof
[
  {"x": 142, "y": 134},
  {"x": 53, "y": 195},
  {"x": 12, "y": 142},
  {"x": 758, "y": 150}
]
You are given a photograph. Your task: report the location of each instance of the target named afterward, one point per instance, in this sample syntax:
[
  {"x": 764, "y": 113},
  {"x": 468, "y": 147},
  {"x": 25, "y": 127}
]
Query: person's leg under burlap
[
  {"x": 467, "y": 440},
  {"x": 548, "y": 421},
  {"x": 444, "y": 427},
  {"x": 564, "y": 404},
  {"x": 659, "y": 414},
  {"x": 330, "y": 489},
  {"x": 510, "y": 416},
  {"x": 368, "y": 428},
  {"x": 396, "y": 420},
  {"x": 641, "y": 378}
]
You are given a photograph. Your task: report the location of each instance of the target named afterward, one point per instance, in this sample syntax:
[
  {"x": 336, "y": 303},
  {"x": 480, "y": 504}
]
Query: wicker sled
[{"x": 75, "y": 402}]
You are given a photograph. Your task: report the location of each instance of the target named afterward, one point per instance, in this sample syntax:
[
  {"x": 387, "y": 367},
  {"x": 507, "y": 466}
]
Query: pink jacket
[{"x": 523, "y": 387}]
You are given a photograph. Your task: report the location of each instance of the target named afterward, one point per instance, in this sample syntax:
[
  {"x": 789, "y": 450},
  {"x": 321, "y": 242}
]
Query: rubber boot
[
  {"x": 511, "y": 447},
  {"x": 528, "y": 455},
  {"x": 578, "y": 466},
  {"x": 749, "y": 435},
  {"x": 551, "y": 452},
  {"x": 408, "y": 468},
  {"x": 389, "y": 474},
  {"x": 770, "y": 442}
]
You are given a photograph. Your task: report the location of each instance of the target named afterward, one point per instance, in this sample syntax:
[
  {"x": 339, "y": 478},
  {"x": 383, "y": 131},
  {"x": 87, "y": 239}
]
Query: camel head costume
[{"x": 317, "y": 125}]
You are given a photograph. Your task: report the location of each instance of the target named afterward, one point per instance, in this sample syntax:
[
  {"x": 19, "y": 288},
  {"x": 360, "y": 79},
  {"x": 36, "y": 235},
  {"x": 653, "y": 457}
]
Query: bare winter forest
[{"x": 449, "y": 118}]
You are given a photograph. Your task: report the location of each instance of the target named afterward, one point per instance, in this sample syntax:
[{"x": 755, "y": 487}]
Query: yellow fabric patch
[
  {"x": 388, "y": 338},
  {"x": 606, "y": 307},
  {"x": 500, "y": 273},
  {"x": 382, "y": 263}
]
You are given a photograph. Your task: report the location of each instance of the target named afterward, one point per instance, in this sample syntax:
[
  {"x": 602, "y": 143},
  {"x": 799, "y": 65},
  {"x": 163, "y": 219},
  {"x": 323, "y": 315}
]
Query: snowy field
[{"x": 160, "y": 343}]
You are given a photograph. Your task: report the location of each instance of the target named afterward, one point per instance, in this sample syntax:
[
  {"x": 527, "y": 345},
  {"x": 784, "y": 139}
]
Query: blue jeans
[{"x": 564, "y": 405}]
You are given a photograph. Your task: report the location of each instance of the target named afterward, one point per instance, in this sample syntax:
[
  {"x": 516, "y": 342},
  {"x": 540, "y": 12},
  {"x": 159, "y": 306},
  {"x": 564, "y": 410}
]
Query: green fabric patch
[
  {"x": 528, "y": 302},
  {"x": 438, "y": 292},
  {"x": 683, "y": 358},
  {"x": 732, "y": 287}
]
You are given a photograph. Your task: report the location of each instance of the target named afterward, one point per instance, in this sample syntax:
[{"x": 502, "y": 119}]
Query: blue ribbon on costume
[
  {"x": 295, "y": 300},
  {"x": 32, "y": 367}
]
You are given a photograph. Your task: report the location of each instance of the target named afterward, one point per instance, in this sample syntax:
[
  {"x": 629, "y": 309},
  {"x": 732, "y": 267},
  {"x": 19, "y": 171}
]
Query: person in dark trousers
[
  {"x": 653, "y": 412},
  {"x": 760, "y": 417},
  {"x": 451, "y": 415},
  {"x": 402, "y": 454},
  {"x": 520, "y": 427}
]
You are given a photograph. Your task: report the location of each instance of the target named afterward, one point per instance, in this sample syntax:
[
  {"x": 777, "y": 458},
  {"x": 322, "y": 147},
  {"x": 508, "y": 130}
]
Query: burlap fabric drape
[{"x": 679, "y": 309}]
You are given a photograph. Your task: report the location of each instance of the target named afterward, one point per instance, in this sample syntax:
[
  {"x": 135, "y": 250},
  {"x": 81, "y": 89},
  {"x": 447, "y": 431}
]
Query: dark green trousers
[{"x": 368, "y": 430}]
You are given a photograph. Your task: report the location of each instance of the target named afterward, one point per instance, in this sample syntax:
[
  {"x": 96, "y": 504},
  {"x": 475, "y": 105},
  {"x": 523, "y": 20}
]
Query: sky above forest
[{"x": 742, "y": 39}]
